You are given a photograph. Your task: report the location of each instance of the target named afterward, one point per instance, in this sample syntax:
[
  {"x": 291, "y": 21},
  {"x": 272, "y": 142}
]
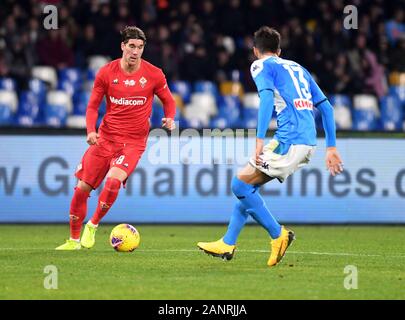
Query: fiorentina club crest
[
  {"x": 143, "y": 81},
  {"x": 130, "y": 83}
]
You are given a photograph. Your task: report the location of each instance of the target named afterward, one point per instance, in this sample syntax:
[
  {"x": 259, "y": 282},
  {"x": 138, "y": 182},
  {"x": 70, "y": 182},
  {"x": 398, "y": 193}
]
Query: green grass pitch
[{"x": 168, "y": 265}]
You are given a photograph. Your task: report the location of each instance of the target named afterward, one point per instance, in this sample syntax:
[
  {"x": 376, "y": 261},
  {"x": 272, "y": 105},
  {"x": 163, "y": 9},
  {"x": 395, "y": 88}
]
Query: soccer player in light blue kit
[{"x": 291, "y": 90}]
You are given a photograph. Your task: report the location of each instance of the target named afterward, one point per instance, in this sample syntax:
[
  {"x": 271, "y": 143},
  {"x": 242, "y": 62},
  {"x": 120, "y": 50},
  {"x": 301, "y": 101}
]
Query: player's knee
[
  {"x": 241, "y": 175},
  {"x": 117, "y": 173},
  {"x": 239, "y": 187},
  {"x": 84, "y": 186},
  {"x": 112, "y": 184}
]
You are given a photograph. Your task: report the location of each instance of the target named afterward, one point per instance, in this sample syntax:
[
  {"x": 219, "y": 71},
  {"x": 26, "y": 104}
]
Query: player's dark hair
[
  {"x": 132, "y": 32},
  {"x": 267, "y": 39}
]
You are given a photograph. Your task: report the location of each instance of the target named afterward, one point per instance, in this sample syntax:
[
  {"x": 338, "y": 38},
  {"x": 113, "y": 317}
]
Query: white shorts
[{"x": 281, "y": 166}]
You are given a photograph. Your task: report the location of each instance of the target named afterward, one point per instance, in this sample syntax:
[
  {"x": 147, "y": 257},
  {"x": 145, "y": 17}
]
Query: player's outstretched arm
[{"x": 333, "y": 160}]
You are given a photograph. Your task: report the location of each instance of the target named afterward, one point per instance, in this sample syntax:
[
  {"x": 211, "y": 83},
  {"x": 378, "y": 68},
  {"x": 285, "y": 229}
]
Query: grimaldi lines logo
[{"x": 128, "y": 101}]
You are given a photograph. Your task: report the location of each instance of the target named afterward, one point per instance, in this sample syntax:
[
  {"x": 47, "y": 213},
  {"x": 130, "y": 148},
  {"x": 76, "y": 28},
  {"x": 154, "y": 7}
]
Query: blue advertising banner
[{"x": 187, "y": 180}]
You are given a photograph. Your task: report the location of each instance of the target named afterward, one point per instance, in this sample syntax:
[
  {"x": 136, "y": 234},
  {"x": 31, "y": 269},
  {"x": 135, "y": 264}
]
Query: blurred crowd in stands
[{"x": 212, "y": 40}]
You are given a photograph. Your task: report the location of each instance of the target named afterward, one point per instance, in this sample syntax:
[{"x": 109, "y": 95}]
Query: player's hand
[
  {"x": 333, "y": 161},
  {"x": 168, "y": 123},
  {"x": 259, "y": 151},
  {"x": 92, "y": 138}
]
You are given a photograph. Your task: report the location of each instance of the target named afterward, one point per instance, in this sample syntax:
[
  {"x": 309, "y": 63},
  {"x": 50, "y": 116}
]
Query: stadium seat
[
  {"x": 343, "y": 117},
  {"x": 232, "y": 88},
  {"x": 366, "y": 113},
  {"x": 198, "y": 111},
  {"x": 60, "y": 98},
  {"x": 46, "y": 74},
  {"x": 38, "y": 87},
  {"x": 77, "y": 122},
  {"x": 204, "y": 101},
  {"x": 183, "y": 123},
  {"x": 88, "y": 81},
  {"x": 97, "y": 61},
  {"x": 57, "y": 108},
  {"x": 182, "y": 88},
  {"x": 9, "y": 98},
  {"x": 219, "y": 122},
  {"x": 230, "y": 108},
  {"x": 80, "y": 101},
  {"x": 340, "y": 99},
  {"x": 251, "y": 100},
  {"x": 196, "y": 117},
  {"x": 206, "y": 87},
  {"x": 70, "y": 80},
  {"x": 398, "y": 91},
  {"x": 55, "y": 115},
  {"x": 70, "y": 74},
  {"x": 6, "y": 115},
  {"x": 29, "y": 105},
  {"x": 196, "y": 123},
  {"x": 91, "y": 74},
  {"x": 25, "y": 121},
  {"x": 391, "y": 113},
  {"x": 8, "y": 106},
  {"x": 342, "y": 111},
  {"x": 29, "y": 111},
  {"x": 250, "y": 118},
  {"x": 68, "y": 87},
  {"x": 8, "y": 84}
]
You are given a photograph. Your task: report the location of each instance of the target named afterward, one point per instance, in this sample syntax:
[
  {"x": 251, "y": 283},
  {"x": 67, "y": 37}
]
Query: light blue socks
[
  {"x": 237, "y": 222},
  {"x": 251, "y": 203}
]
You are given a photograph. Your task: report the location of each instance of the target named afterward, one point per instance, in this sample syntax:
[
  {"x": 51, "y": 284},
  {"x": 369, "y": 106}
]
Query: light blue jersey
[{"x": 295, "y": 95}]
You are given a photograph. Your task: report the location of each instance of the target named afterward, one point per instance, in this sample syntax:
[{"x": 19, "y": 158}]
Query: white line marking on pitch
[{"x": 249, "y": 251}]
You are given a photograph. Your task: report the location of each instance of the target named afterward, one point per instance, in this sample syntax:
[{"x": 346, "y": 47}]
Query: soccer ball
[{"x": 124, "y": 238}]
